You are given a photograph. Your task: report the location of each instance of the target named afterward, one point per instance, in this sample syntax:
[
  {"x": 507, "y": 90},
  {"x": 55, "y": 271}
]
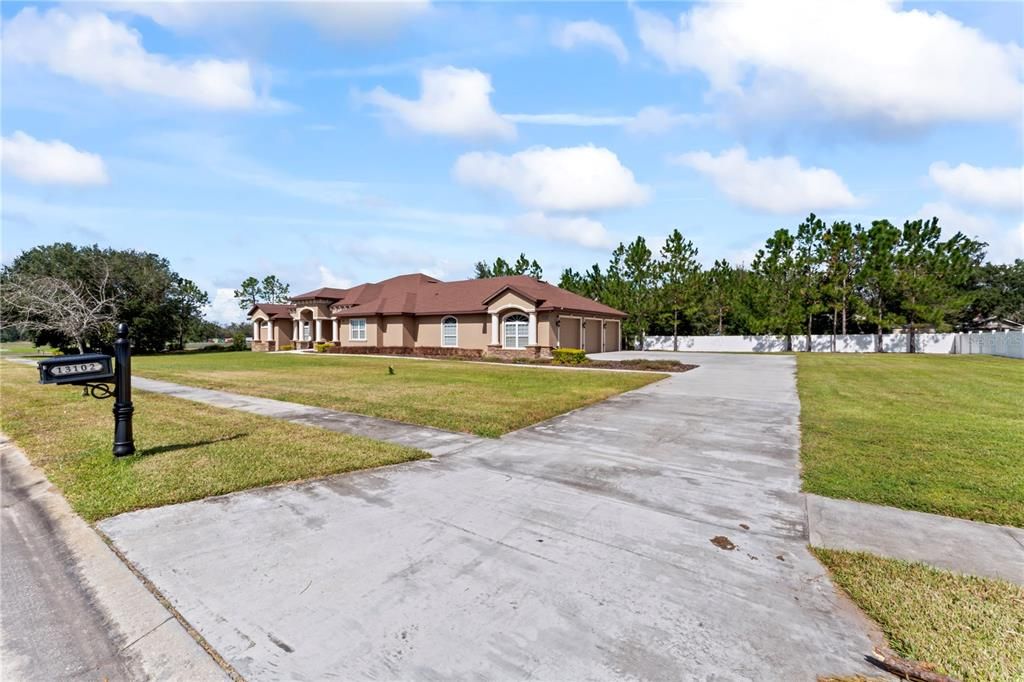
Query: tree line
[
  {"x": 818, "y": 278},
  {"x": 70, "y": 297}
]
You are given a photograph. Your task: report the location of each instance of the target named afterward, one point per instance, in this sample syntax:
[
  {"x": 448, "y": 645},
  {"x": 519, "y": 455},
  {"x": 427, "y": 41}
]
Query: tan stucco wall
[
  {"x": 396, "y": 331},
  {"x": 509, "y": 300},
  {"x": 546, "y": 329},
  {"x": 321, "y": 311},
  {"x": 474, "y": 331}
]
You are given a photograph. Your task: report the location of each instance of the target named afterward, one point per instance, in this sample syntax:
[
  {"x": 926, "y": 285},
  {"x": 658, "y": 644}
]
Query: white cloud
[
  {"x": 452, "y": 101},
  {"x": 362, "y": 20},
  {"x": 345, "y": 20},
  {"x": 573, "y": 229},
  {"x": 1004, "y": 243},
  {"x": 771, "y": 184},
  {"x": 590, "y": 32},
  {"x": 329, "y": 279},
  {"x": 866, "y": 60},
  {"x": 52, "y": 162},
  {"x": 992, "y": 187},
  {"x": 224, "y": 307},
  {"x": 583, "y": 178},
  {"x": 653, "y": 120},
  {"x": 647, "y": 120},
  {"x": 93, "y": 49}
]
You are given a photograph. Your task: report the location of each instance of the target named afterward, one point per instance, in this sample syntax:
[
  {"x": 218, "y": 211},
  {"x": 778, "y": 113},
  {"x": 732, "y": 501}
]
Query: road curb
[{"x": 151, "y": 642}]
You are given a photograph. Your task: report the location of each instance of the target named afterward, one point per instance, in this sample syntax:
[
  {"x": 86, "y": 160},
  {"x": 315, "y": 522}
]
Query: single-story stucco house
[{"x": 417, "y": 314}]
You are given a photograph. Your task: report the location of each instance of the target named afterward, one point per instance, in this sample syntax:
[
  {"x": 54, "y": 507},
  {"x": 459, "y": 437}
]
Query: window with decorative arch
[
  {"x": 449, "y": 332},
  {"x": 517, "y": 331}
]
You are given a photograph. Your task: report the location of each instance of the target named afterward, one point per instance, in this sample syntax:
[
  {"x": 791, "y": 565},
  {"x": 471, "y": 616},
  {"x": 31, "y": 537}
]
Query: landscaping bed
[
  {"x": 487, "y": 400},
  {"x": 933, "y": 433},
  {"x": 968, "y": 627},
  {"x": 186, "y": 451},
  {"x": 633, "y": 365}
]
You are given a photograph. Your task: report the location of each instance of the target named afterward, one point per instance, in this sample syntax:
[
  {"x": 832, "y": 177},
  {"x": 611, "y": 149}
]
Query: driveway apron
[{"x": 657, "y": 535}]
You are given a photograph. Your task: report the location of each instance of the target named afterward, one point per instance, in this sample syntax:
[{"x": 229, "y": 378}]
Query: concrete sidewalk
[
  {"x": 71, "y": 609},
  {"x": 434, "y": 441},
  {"x": 941, "y": 541}
]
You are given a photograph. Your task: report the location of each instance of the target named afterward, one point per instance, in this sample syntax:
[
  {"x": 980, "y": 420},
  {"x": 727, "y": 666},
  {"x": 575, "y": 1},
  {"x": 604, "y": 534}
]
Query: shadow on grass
[{"x": 160, "y": 449}]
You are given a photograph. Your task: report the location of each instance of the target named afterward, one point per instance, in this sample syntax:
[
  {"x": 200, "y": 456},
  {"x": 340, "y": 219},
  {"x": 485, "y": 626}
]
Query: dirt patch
[{"x": 722, "y": 542}]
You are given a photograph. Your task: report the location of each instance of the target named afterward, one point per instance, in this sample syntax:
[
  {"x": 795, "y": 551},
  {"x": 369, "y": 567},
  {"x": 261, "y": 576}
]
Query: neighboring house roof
[
  {"x": 418, "y": 294},
  {"x": 994, "y": 323},
  {"x": 275, "y": 311}
]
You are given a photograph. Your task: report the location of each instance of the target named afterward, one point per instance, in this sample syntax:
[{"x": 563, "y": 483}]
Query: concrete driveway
[{"x": 657, "y": 535}]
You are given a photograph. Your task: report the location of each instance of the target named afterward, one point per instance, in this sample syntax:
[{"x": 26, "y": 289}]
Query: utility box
[{"x": 77, "y": 369}]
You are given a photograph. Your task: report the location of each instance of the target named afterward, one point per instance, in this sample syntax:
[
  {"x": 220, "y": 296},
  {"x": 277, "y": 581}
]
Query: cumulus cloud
[
  {"x": 329, "y": 279},
  {"x": 867, "y": 60},
  {"x": 1005, "y": 243},
  {"x": 224, "y": 307},
  {"x": 93, "y": 49},
  {"x": 1001, "y": 188},
  {"x": 590, "y": 32},
  {"x": 452, "y": 101},
  {"x": 771, "y": 184},
  {"x": 573, "y": 229},
  {"x": 583, "y": 178},
  {"x": 50, "y": 162}
]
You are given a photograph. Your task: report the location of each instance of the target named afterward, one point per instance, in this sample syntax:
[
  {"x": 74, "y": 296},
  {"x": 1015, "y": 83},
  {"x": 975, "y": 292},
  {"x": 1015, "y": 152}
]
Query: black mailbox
[{"x": 76, "y": 369}]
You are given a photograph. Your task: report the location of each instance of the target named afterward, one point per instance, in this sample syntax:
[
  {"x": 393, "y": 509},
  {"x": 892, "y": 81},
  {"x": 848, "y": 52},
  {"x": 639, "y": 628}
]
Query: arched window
[
  {"x": 517, "y": 331},
  {"x": 449, "y": 332}
]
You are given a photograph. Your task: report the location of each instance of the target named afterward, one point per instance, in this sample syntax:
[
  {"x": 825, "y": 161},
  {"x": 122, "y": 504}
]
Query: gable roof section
[
  {"x": 419, "y": 294},
  {"x": 275, "y": 311}
]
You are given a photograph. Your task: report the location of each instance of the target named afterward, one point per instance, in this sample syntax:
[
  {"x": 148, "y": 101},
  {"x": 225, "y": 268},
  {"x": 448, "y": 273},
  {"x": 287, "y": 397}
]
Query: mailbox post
[
  {"x": 124, "y": 442},
  {"x": 95, "y": 372}
]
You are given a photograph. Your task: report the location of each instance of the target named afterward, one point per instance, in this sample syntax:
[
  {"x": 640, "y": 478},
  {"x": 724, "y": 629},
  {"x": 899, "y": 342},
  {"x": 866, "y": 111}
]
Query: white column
[
  {"x": 295, "y": 331},
  {"x": 270, "y": 330},
  {"x": 334, "y": 329},
  {"x": 319, "y": 329},
  {"x": 583, "y": 335},
  {"x": 531, "y": 330},
  {"x": 255, "y": 330},
  {"x": 494, "y": 329}
]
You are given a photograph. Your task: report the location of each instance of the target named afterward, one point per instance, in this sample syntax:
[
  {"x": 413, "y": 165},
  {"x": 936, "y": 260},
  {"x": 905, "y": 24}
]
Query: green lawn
[
  {"x": 15, "y": 348},
  {"x": 970, "y": 628},
  {"x": 186, "y": 451},
  {"x": 488, "y": 400},
  {"x": 934, "y": 433}
]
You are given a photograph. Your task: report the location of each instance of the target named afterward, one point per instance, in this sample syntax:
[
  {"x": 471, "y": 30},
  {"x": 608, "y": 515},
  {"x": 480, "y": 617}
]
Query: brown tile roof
[
  {"x": 275, "y": 311},
  {"x": 418, "y": 294}
]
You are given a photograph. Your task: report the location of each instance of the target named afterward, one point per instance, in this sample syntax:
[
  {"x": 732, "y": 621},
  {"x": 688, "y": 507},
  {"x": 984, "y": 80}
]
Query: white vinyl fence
[{"x": 1009, "y": 344}]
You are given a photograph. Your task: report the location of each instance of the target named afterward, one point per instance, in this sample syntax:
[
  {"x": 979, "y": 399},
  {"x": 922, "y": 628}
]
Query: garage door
[
  {"x": 569, "y": 332},
  {"x": 611, "y": 336},
  {"x": 592, "y": 336}
]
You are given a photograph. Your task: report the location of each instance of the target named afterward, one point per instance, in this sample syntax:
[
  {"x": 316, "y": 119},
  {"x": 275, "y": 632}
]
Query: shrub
[
  {"x": 287, "y": 346},
  {"x": 238, "y": 341},
  {"x": 322, "y": 347},
  {"x": 568, "y": 356}
]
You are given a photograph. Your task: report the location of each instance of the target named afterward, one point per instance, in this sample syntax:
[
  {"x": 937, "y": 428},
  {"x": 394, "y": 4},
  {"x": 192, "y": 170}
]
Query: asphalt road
[{"x": 50, "y": 628}]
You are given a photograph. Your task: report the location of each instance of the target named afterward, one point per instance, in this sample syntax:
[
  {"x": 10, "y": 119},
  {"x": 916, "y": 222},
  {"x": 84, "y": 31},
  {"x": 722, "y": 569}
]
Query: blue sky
[{"x": 338, "y": 143}]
